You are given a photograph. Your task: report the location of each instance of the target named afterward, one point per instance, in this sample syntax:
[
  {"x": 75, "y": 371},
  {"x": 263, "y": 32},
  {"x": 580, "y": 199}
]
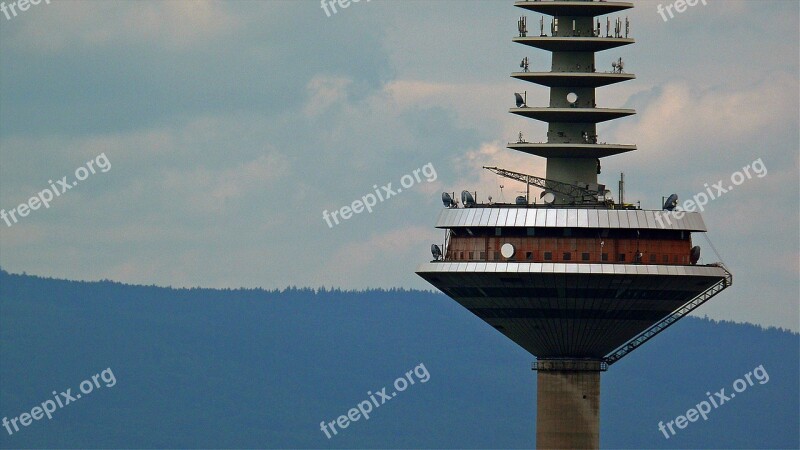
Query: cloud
[
  {"x": 710, "y": 127},
  {"x": 323, "y": 92},
  {"x": 681, "y": 115},
  {"x": 174, "y": 24},
  {"x": 481, "y": 106},
  {"x": 206, "y": 191},
  {"x": 364, "y": 256}
]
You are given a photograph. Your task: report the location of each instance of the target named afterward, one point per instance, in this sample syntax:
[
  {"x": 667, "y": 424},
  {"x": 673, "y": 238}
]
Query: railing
[{"x": 570, "y": 365}]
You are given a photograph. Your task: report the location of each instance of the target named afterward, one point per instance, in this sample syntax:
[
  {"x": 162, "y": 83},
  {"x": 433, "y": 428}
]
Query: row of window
[{"x": 567, "y": 256}]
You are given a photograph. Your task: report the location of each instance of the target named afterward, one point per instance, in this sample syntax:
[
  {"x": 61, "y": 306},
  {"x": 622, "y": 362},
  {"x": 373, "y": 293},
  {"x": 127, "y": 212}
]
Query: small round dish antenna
[
  {"x": 436, "y": 252},
  {"x": 467, "y": 199}
]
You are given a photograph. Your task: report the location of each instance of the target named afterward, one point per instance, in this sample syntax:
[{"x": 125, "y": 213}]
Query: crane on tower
[{"x": 577, "y": 194}]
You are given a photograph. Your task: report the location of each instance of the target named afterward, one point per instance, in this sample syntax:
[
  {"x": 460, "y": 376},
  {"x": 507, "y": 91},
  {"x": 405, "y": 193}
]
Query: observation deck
[{"x": 570, "y": 282}]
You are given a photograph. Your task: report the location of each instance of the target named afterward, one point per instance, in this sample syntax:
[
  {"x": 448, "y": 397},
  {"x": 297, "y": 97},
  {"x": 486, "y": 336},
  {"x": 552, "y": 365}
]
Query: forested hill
[{"x": 202, "y": 368}]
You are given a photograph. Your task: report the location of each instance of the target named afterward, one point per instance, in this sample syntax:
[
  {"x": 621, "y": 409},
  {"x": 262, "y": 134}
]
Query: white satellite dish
[
  {"x": 507, "y": 250},
  {"x": 549, "y": 197},
  {"x": 572, "y": 97}
]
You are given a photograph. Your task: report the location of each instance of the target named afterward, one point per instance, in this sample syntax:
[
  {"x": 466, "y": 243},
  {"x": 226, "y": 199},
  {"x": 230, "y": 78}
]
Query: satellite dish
[
  {"x": 447, "y": 200},
  {"x": 467, "y": 199},
  {"x": 572, "y": 97},
  {"x": 549, "y": 197},
  {"x": 507, "y": 250},
  {"x": 671, "y": 202},
  {"x": 436, "y": 252},
  {"x": 521, "y": 200},
  {"x": 694, "y": 256},
  {"x": 520, "y": 100}
]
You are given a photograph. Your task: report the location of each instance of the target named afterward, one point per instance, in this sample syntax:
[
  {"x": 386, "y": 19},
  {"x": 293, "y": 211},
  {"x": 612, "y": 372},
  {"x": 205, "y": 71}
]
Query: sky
[{"x": 204, "y": 141}]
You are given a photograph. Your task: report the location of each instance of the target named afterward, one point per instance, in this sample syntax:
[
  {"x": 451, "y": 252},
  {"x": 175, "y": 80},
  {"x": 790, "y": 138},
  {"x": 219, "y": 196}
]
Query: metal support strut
[{"x": 672, "y": 318}]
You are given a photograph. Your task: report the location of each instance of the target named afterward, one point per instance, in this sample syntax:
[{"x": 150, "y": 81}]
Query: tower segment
[
  {"x": 577, "y": 281},
  {"x": 571, "y": 31}
]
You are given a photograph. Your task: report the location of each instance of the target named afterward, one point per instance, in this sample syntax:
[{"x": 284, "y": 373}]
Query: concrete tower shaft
[{"x": 568, "y": 410}]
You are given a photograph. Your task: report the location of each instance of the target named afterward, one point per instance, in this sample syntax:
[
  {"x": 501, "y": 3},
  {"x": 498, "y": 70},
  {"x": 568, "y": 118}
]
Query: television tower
[{"x": 576, "y": 279}]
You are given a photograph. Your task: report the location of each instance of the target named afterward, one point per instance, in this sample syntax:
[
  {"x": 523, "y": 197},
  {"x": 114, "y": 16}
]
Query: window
[
  {"x": 548, "y": 256},
  {"x": 584, "y": 256},
  {"x": 666, "y": 259},
  {"x": 604, "y": 257},
  {"x": 483, "y": 256},
  {"x": 621, "y": 257},
  {"x": 529, "y": 256},
  {"x": 567, "y": 256},
  {"x": 471, "y": 255},
  {"x": 652, "y": 257}
]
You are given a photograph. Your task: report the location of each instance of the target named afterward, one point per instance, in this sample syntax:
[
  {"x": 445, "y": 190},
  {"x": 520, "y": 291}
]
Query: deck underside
[{"x": 571, "y": 315}]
